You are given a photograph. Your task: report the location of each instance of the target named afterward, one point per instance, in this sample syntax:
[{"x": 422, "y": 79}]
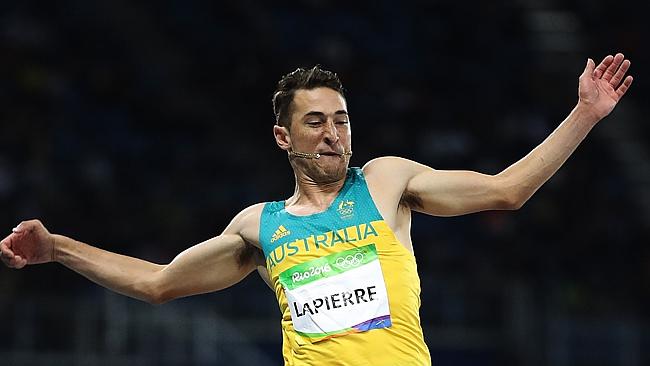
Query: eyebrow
[{"x": 321, "y": 114}]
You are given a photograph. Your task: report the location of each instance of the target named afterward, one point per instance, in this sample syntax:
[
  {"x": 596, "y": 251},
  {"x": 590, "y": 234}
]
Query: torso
[{"x": 365, "y": 221}]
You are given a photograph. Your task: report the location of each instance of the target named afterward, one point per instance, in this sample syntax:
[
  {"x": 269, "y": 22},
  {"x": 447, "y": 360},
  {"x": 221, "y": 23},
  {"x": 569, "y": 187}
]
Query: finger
[
  {"x": 20, "y": 227},
  {"x": 5, "y": 243},
  {"x": 598, "y": 73},
  {"x": 589, "y": 68},
  {"x": 624, "y": 86},
  {"x": 611, "y": 69},
  {"x": 20, "y": 262},
  {"x": 620, "y": 73},
  {"x": 5, "y": 246},
  {"x": 6, "y": 258},
  {"x": 13, "y": 262},
  {"x": 28, "y": 226},
  {"x": 7, "y": 254},
  {"x": 16, "y": 262}
]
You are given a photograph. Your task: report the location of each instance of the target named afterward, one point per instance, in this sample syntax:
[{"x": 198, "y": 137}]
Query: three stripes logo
[{"x": 280, "y": 233}]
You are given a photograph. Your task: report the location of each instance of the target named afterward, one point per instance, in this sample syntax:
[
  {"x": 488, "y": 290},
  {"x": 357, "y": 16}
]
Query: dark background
[{"x": 143, "y": 128}]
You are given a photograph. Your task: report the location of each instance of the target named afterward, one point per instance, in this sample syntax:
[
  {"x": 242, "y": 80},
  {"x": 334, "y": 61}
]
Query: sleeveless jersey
[{"x": 348, "y": 290}]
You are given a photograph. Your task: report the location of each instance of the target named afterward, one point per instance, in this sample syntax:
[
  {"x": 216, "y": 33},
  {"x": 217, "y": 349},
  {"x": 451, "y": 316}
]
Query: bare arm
[
  {"x": 449, "y": 193},
  {"x": 212, "y": 265}
]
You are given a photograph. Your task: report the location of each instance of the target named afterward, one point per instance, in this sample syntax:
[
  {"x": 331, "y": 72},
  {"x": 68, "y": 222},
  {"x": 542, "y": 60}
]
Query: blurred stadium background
[{"x": 144, "y": 127}]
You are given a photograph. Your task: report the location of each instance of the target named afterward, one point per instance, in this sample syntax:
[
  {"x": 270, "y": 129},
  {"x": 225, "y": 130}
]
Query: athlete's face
[{"x": 319, "y": 124}]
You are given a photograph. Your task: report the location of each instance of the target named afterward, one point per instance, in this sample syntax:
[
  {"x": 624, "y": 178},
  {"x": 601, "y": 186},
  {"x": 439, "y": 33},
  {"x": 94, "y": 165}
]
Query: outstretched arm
[
  {"x": 212, "y": 265},
  {"x": 449, "y": 193}
]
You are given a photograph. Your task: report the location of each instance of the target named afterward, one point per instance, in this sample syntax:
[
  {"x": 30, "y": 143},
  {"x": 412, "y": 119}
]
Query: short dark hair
[{"x": 301, "y": 79}]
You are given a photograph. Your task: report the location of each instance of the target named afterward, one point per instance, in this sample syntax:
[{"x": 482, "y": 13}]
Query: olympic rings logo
[
  {"x": 349, "y": 261},
  {"x": 346, "y": 211}
]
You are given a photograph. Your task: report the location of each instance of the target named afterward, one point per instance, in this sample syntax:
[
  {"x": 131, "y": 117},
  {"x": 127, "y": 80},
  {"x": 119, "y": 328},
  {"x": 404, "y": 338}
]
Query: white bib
[{"x": 337, "y": 294}]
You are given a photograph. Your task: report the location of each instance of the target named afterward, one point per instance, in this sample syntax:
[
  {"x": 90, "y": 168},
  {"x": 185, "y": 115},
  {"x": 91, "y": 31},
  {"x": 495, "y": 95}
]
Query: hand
[
  {"x": 30, "y": 243},
  {"x": 600, "y": 88}
]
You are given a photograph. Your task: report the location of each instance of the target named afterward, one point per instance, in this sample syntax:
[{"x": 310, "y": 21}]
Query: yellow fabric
[{"x": 400, "y": 344}]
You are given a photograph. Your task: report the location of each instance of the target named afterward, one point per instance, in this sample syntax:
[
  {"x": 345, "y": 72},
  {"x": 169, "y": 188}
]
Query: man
[{"x": 338, "y": 252}]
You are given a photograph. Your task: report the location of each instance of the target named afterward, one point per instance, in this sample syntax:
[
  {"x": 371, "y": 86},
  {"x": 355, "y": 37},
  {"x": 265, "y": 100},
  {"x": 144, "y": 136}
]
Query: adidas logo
[{"x": 280, "y": 233}]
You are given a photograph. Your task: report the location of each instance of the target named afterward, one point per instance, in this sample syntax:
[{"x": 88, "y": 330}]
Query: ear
[{"x": 282, "y": 137}]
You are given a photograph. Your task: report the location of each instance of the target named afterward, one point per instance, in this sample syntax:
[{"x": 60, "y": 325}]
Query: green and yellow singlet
[{"x": 348, "y": 290}]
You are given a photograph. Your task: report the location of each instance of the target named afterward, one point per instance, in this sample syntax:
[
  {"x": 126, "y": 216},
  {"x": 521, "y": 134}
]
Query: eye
[{"x": 343, "y": 122}]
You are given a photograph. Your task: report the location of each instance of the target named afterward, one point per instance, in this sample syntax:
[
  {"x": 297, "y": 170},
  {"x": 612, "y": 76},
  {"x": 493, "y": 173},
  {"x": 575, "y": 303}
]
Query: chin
[
  {"x": 330, "y": 173},
  {"x": 322, "y": 171}
]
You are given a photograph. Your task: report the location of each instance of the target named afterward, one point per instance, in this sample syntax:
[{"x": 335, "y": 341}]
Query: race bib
[{"x": 337, "y": 294}]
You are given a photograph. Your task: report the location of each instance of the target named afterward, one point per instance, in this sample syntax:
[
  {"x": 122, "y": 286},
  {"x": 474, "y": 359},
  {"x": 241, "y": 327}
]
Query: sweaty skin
[{"x": 320, "y": 124}]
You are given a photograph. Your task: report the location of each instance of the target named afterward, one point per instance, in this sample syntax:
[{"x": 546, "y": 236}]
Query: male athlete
[{"x": 338, "y": 252}]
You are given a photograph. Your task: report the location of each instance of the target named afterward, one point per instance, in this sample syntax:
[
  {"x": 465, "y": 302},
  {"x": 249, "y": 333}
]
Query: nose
[{"x": 331, "y": 135}]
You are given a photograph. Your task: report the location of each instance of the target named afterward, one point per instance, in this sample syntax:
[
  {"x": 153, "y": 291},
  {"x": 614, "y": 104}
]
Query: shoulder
[
  {"x": 247, "y": 223},
  {"x": 252, "y": 212},
  {"x": 395, "y": 167},
  {"x": 389, "y": 177}
]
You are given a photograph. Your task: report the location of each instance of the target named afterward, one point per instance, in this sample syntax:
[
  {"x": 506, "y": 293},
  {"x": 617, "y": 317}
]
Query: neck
[{"x": 311, "y": 196}]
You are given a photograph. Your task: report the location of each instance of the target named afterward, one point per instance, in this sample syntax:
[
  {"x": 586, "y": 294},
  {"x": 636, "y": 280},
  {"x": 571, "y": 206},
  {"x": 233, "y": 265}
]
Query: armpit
[
  {"x": 248, "y": 253},
  {"x": 411, "y": 201}
]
